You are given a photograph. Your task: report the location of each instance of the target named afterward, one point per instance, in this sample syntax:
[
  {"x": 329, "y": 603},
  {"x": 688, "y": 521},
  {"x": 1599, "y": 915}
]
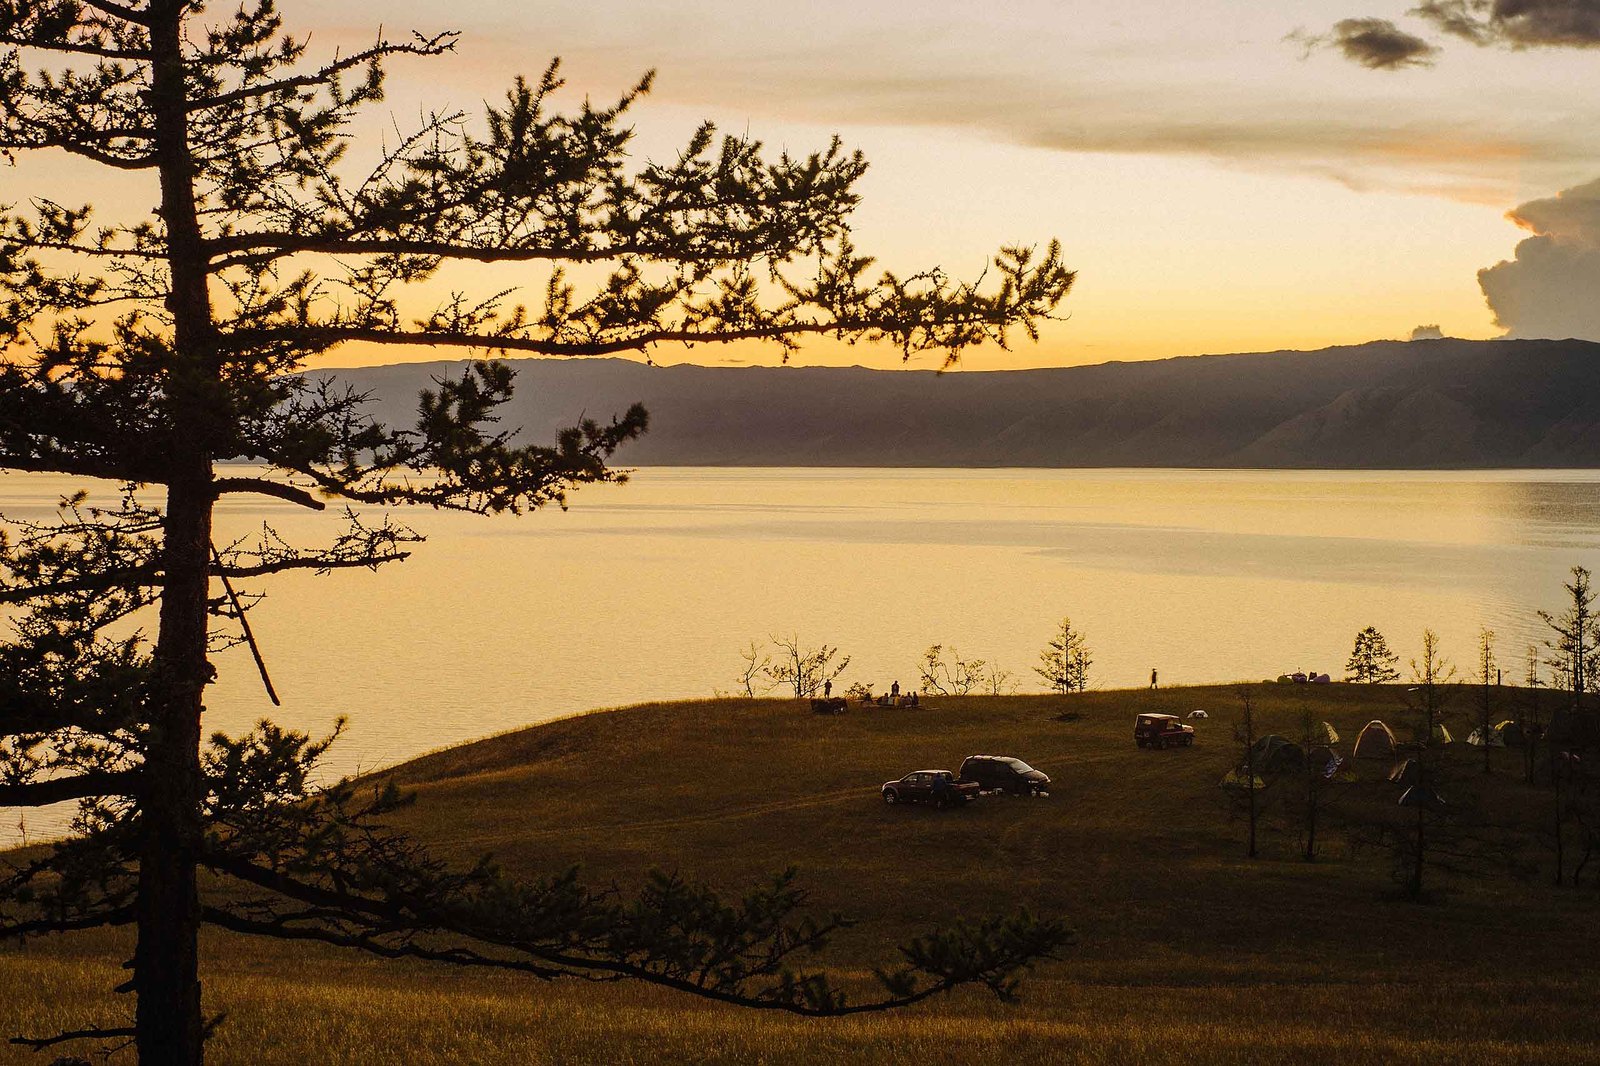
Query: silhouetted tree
[
  {"x": 998, "y": 682},
  {"x": 1574, "y": 643},
  {"x": 1531, "y": 721},
  {"x": 756, "y": 663},
  {"x": 954, "y": 676},
  {"x": 1315, "y": 781},
  {"x": 1371, "y": 660},
  {"x": 146, "y": 351},
  {"x": 1064, "y": 663},
  {"x": 804, "y": 669},
  {"x": 1431, "y": 675},
  {"x": 1487, "y": 670},
  {"x": 1244, "y": 735}
]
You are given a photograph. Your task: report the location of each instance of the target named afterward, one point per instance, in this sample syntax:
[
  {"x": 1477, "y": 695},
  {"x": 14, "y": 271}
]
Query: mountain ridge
[{"x": 1382, "y": 405}]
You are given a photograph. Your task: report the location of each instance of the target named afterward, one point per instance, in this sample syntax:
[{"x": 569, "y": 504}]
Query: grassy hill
[{"x": 1187, "y": 951}]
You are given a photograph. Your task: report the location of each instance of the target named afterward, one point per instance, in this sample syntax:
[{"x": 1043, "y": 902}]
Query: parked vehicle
[
  {"x": 1002, "y": 773},
  {"x": 938, "y": 787},
  {"x": 1161, "y": 731}
]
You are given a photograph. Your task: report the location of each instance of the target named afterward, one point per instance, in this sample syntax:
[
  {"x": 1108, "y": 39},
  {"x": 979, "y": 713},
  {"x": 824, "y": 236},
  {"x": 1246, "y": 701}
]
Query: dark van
[{"x": 1002, "y": 773}]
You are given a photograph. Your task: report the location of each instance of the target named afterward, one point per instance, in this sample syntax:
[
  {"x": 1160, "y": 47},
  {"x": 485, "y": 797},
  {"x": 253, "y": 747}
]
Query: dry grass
[{"x": 1188, "y": 953}]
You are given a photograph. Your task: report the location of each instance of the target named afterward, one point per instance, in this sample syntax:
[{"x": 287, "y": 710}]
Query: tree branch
[
  {"x": 431, "y": 46},
  {"x": 264, "y": 487},
  {"x": 83, "y": 786},
  {"x": 40, "y": 1043}
]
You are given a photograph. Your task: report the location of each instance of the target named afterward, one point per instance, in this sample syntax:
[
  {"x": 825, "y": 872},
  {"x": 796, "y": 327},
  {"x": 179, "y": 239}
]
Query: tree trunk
[
  {"x": 169, "y": 1030},
  {"x": 166, "y": 962},
  {"x": 1414, "y": 889}
]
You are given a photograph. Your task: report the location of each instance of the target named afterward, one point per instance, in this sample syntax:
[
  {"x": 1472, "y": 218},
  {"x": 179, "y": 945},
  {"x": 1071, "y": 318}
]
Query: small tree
[
  {"x": 1064, "y": 663},
  {"x": 998, "y": 682},
  {"x": 1574, "y": 641},
  {"x": 954, "y": 676},
  {"x": 1371, "y": 661},
  {"x": 1532, "y": 720},
  {"x": 1487, "y": 668},
  {"x": 756, "y": 663},
  {"x": 1244, "y": 734},
  {"x": 1314, "y": 733},
  {"x": 806, "y": 670},
  {"x": 1431, "y": 674}
]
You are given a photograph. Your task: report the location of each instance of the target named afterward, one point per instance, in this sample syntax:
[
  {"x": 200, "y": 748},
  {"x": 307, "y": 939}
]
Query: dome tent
[
  {"x": 1273, "y": 754},
  {"x": 1511, "y": 734},
  {"x": 1407, "y": 773},
  {"x": 1375, "y": 741}
]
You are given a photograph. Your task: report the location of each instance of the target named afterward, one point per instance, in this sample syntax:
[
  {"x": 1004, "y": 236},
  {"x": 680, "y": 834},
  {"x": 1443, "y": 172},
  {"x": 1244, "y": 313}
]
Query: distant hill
[{"x": 1388, "y": 404}]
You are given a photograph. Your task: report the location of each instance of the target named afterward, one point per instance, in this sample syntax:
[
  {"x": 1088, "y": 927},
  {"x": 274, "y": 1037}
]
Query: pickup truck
[{"x": 938, "y": 787}]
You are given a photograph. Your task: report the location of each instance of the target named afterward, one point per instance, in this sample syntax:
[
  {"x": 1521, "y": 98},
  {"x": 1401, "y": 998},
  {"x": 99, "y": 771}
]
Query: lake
[{"x": 649, "y": 590}]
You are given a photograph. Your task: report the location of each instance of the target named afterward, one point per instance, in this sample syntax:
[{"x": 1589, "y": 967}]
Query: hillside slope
[
  {"x": 1422, "y": 404},
  {"x": 1187, "y": 953}
]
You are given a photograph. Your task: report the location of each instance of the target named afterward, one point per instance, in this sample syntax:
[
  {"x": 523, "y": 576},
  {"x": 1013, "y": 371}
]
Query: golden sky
[{"x": 1217, "y": 187}]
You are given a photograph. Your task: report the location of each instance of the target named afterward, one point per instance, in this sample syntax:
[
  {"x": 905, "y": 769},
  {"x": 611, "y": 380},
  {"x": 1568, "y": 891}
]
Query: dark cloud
[
  {"x": 1517, "y": 23},
  {"x": 1377, "y": 44},
  {"x": 1550, "y": 289}
]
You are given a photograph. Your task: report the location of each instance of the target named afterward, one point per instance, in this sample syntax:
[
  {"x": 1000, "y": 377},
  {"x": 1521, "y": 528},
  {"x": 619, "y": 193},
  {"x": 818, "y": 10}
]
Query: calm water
[{"x": 649, "y": 590}]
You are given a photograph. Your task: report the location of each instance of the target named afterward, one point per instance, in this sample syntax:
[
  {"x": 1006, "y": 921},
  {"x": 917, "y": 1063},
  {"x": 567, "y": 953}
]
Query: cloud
[
  {"x": 1376, "y": 44},
  {"x": 1549, "y": 289},
  {"x": 1517, "y": 23}
]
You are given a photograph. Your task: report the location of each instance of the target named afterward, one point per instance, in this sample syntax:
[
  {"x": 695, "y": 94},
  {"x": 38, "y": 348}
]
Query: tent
[
  {"x": 1511, "y": 734},
  {"x": 1235, "y": 781},
  {"x": 1325, "y": 734},
  {"x": 1441, "y": 734},
  {"x": 1424, "y": 797},
  {"x": 1197, "y": 713},
  {"x": 1407, "y": 773},
  {"x": 1478, "y": 738},
  {"x": 1272, "y": 754},
  {"x": 1323, "y": 757},
  {"x": 1375, "y": 741}
]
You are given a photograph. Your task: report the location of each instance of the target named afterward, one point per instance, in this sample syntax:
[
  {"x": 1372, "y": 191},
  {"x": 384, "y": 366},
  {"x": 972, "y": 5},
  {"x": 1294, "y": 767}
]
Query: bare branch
[{"x": 84, "y": 786}]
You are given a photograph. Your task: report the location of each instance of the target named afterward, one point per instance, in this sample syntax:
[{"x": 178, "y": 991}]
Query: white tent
[
  {"x": 1493, "y": 740},
  {"x": 1376, "y": 741}
]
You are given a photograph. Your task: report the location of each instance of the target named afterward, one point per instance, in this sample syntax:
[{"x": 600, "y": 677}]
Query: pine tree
[
  {"x": 1064, "y": 663},
  {"x": 147, "y": 351},
  {"x": 1371, "y": 660},
  {"x": 1574, "y": 643}
]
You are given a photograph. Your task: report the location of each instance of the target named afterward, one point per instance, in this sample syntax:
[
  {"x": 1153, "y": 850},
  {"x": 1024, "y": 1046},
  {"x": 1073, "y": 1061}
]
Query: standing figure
[
  {"x": 894, "y": 691},
  {"x": 1153, "y": 677},
  {"x": 827, "y": 688}
]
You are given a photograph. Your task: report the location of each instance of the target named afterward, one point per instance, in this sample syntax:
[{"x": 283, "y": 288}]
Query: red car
[
  {"x": 1161, "y": 731},
  {"x": 938, "y": 787}
]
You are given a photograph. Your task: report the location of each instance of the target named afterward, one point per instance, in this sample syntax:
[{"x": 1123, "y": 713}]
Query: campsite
[{"x": 1268, "y": 961}]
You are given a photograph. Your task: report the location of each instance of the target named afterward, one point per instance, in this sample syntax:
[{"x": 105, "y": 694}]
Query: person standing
[
  {"x": 1153, "y": 677},
  {"x": 827, "y": 688}
]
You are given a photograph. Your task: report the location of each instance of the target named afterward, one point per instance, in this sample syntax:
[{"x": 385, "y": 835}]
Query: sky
[{"x": 1224, "y": 177}]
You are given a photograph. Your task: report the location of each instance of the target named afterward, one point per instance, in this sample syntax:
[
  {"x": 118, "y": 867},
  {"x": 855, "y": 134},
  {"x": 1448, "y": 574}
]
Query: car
[
  {"x": 1162, "y": 731},
  {"x": 937, "y": 787},
  {"x": 1002, "y": 773}
]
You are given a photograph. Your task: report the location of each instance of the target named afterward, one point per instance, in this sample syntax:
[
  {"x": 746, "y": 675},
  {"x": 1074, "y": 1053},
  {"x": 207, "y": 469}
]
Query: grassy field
[{"x": 1187, "y": 951}]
